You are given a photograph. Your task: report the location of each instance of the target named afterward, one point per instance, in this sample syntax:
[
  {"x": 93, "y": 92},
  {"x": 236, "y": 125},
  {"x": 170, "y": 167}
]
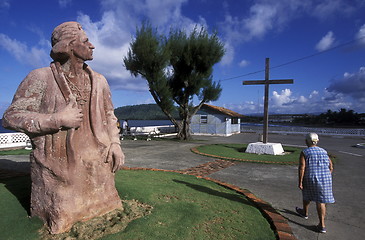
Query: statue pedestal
[{"x": 265, "y": 148}]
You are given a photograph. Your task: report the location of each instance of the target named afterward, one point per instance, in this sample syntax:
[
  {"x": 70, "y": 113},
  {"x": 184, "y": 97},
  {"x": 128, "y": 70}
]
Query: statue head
[{"x": 63, "y": 38}]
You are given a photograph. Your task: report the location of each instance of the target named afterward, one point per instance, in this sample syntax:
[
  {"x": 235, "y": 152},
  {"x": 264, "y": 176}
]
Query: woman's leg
[
  {"x": 321, "y": 210},
  {"x": 306, "y": 206}
]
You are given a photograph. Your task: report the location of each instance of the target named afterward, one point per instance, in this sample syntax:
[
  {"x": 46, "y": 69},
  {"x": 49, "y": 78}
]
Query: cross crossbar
[{"x": 257, "y": 82}]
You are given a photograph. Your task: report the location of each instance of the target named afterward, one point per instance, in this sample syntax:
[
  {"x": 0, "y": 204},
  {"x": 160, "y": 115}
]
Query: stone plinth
[{"x": 265, "y": 148}]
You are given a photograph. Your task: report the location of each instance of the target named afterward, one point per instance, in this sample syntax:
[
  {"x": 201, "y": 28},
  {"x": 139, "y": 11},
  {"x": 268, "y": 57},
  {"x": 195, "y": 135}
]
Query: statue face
[{"x": 82, "y": 48}]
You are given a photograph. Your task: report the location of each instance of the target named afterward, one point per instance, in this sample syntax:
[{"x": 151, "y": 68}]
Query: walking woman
[{"x": 315, "y": 179}]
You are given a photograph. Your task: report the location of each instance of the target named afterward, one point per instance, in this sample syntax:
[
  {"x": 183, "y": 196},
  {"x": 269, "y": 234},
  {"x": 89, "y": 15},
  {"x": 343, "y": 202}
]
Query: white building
[{"x": 212, "y": 120}]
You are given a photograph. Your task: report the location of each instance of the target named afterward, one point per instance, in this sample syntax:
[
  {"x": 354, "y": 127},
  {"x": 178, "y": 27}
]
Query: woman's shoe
[
  {"x": 321, "y": 229},
  {"x": 301, "y": 213}
]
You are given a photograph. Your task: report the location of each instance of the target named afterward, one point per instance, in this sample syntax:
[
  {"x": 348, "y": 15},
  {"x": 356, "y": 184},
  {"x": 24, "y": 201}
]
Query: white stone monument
[{"x": 265, "y": 148}]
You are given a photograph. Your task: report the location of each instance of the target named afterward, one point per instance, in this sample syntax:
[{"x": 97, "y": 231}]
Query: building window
[
  {"x": 234, "y": 120},
  {"x": 203, "y": 118}
]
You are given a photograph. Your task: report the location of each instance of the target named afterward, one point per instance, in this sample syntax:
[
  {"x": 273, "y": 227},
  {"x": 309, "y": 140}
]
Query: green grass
[
  {"x": 184, "y": 207},
  {"x": 237, "y": 152},
  {"x": 14, "y": 221},
  {"x": 15, "y": 152}
]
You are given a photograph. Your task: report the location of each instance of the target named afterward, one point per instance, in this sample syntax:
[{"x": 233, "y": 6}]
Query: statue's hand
[
  {"x": 70, "y": 116},
  {"x": 116, "y": 156}
]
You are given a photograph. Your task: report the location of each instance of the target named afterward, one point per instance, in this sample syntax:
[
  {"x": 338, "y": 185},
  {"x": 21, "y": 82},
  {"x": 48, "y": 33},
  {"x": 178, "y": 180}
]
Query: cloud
[
  {"x": 111, "y": 45},
  {"x": 112, "y": 34},
  {"x": 244, "y": 63},
  {"x": 336, "y": 101},
  {"x": 263, "y": 16},
  {"x": 288, "y": 102},
  {"x": 163, "y": 11},
  {"x": 162, "y": 14},
  {"x": 43, "y": 42},
  {"x": 4, "y": 4},
  {"x": 229, "y": 54},
  {"x": 352, "y": 84},
  {"x": 361, "y": 35},
  {"x": 268, "y": 17},
  {"x": 326, "y": 42},
  {"x": 64, "y": 3},
  {"x": 283, "y": 98},
  {"x": 247, "y": 107},
  {"x": 329, "y": 8},
  {"x": 313, "y": 94},
  {"x": 32, "y": 56}
]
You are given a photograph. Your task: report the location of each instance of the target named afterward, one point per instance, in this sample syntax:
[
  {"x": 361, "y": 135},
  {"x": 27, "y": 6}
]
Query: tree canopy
[
  {"x": 343, "y": 117},
  {"x": 177, "y": 68}
]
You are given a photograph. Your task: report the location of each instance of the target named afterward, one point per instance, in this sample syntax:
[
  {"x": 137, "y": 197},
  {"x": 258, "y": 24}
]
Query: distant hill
[{"x": 142, "y": 112}]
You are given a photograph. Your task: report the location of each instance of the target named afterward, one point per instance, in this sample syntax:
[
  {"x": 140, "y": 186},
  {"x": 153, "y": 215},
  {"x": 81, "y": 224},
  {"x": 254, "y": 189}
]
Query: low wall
[
  {"x": 14, "y": 140},
  {"x": 152, "y": 130}
]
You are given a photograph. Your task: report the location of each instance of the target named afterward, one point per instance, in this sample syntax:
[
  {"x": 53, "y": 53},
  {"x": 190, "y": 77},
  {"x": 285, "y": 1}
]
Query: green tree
[{"x": 177, "y": 68}]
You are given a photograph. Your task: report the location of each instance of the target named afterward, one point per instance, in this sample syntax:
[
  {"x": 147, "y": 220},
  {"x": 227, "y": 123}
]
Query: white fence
[
  {"x": 14, "y": 140},
  {"x": 152, "y": 130},
  {"x": 296, "y": 129}
]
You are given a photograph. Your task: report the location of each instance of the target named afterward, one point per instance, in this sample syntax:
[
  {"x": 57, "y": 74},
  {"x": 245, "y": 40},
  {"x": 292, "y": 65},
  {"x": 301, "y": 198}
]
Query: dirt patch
[{"x": 113, "y": 222}]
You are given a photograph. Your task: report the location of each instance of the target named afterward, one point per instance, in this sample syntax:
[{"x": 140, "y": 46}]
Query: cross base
[{"x": 265, "y": 148}]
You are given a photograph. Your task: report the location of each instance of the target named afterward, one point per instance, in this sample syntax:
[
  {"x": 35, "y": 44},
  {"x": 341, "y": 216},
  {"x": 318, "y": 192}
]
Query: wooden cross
[{"x": 267, "y": 82}]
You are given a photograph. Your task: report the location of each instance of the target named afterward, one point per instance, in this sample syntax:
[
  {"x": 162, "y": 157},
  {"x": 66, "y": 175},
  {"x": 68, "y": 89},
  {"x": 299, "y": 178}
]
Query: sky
[{"x": 318, "y": 43}]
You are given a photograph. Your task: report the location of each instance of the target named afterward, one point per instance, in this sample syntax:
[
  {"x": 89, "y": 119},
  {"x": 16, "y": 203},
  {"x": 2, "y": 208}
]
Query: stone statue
[{"x": 67, "y": 112}]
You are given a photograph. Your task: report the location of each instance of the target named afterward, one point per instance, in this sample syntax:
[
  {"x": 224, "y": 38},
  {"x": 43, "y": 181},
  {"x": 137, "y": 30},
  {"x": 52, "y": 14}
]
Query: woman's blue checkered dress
[{"x": 317, "y": 182}]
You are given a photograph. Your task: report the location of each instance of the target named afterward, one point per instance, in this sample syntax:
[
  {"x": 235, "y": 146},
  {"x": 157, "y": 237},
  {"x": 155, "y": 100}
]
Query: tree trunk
[
  {"x": 184, "y": 127},
  {"x": 184, "y": 130}
]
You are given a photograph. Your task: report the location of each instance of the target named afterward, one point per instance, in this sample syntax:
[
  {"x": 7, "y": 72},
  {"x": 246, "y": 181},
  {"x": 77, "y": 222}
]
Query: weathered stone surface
[
  {"x": 265, "y": 148},
  {"x": 67, "y": 112}
]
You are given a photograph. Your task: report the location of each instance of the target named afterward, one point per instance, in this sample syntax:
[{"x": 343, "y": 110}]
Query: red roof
[{"x": 222, "y": 110}]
